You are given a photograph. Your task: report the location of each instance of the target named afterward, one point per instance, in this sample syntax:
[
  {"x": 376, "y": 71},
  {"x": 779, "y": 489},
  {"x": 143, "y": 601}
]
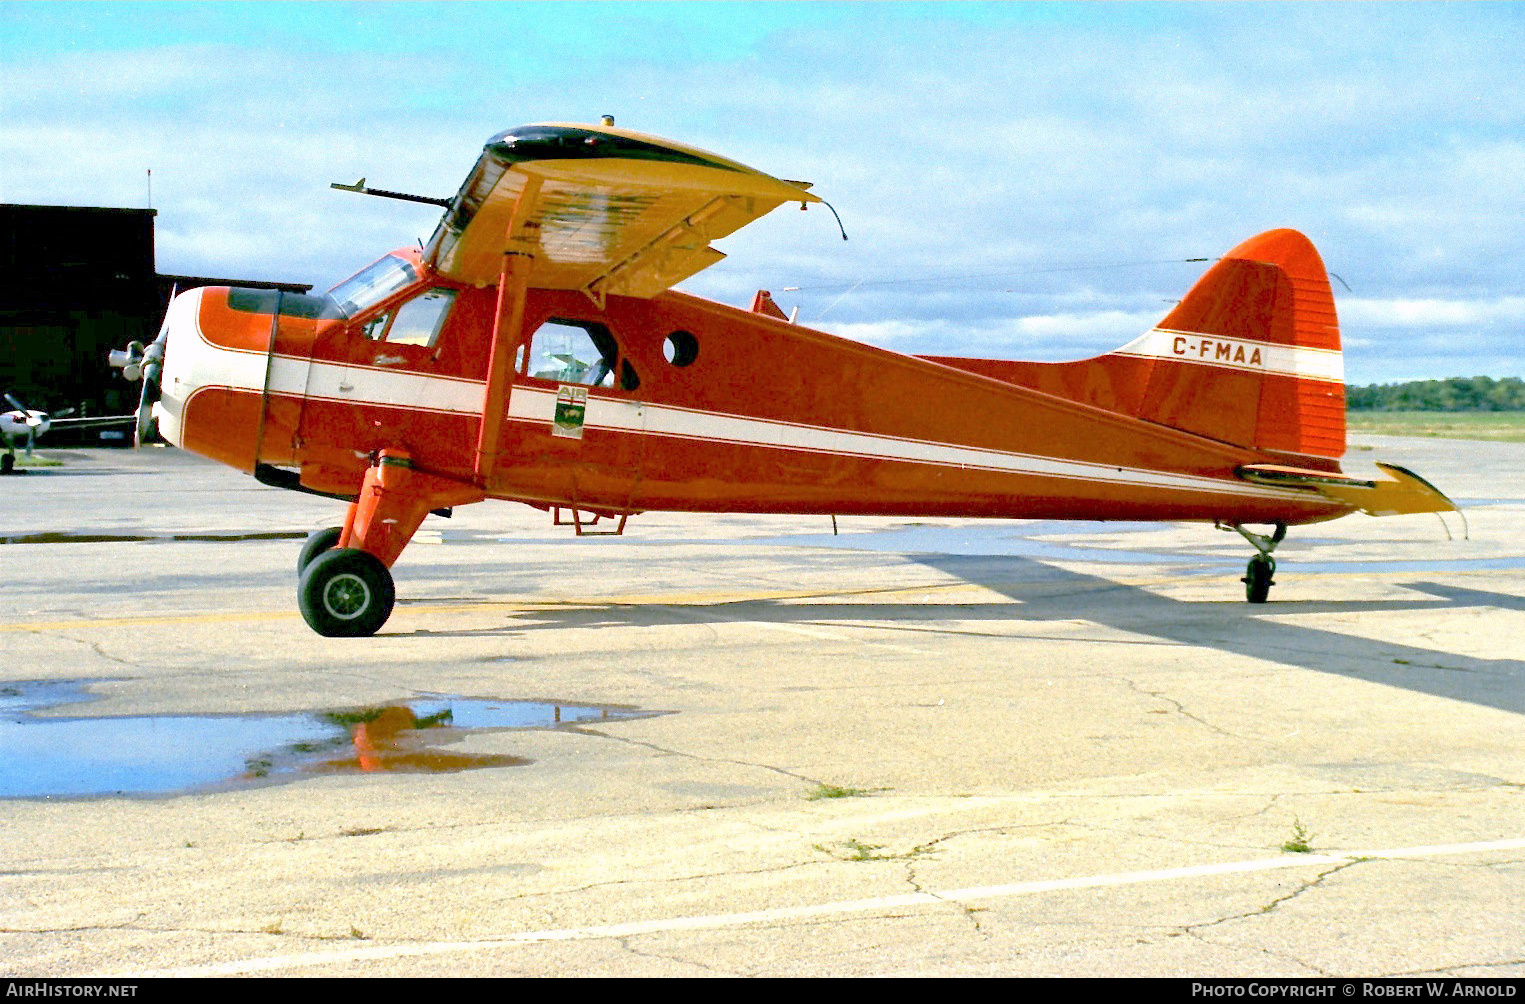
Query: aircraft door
[
  {"x": 593, "y": 444},
  {"x": 373, "y": 384}
]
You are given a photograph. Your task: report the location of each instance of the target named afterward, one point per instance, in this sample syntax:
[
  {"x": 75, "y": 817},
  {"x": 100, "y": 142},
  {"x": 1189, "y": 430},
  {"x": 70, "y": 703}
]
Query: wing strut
[{"x": 513, "y": 281}]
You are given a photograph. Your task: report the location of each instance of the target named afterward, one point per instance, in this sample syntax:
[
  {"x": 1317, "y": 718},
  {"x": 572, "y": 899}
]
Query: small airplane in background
[
  {"x": 534, "y": 351},
  {"x": 31, "y": 423}
]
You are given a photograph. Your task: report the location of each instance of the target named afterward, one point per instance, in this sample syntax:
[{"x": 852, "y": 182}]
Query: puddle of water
[{"x": 72, "y": 757}]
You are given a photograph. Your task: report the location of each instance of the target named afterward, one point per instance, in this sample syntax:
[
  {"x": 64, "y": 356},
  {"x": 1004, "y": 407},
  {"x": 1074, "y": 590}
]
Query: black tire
[
  {"x": 317, "y": 542},
  {"x": 1257, "y": 578},
  {"x": 7, "y": 463},
  {"x": 346, "y": 593}
]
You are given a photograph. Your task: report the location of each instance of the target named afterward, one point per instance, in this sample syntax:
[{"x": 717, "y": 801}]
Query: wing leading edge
[{"x": 600, "y": 209}]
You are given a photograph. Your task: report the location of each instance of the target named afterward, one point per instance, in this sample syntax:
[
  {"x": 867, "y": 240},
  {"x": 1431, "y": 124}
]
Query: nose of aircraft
[
  {"x": 168, "y": 376},
  {"x": 145, "y": 363},
  {"x": 206, "y": 377}
]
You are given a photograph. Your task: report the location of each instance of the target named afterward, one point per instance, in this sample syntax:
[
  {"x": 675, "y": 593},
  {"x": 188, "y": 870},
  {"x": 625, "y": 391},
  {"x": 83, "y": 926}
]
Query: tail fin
[{"x": 1251, "y": 356}]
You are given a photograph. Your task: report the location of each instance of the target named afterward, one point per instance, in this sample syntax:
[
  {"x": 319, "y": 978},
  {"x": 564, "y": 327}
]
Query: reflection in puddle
[{"x": 158, "y": 754}]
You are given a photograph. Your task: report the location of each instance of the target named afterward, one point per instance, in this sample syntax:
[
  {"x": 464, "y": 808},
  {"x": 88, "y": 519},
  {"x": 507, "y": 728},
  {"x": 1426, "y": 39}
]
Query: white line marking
[{"x": 838, "y": 908}]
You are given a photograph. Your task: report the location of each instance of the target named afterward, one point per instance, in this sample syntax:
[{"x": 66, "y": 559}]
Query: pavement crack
[
  {"x": 967, "y": 911},
  {"x": 625, "y": 944},
  {"x": 1307, "y": 886},
  {"x": 1452, "y": 969},
  {"x": 93, "y": 646},
  {"x": 696, "y": 756},
  {"x": 1269, "y": 952},
  {"x": 1180, "y": 709}
]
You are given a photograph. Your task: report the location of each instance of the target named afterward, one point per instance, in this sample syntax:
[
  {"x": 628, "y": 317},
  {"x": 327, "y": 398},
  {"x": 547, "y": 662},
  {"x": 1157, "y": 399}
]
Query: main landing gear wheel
[
  {"x": 1257, "y": 578},
  {"x": 346, "y": 593},
  {"x": 7, "y": 463},
  {"x": 317, "y": 542}
]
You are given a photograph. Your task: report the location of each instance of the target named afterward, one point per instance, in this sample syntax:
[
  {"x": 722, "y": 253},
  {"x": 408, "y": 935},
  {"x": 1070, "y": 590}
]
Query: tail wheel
[
  {"x": 346, "y": 593},
  {"x": 1257, "y": 578},
  {"x": 317, "y": 542}
]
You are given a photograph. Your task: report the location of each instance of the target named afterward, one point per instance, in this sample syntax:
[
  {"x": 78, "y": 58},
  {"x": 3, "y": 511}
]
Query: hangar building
[{"x": 75, "y": 283}]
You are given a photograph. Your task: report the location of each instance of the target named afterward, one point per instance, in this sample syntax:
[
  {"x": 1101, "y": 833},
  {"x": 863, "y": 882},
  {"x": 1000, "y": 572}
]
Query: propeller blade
[
  {"x": 143, "y": 428},
  {"x": 138, "y": 362},
  {"x": 16, "y": 404},
  {"x": 152, "y": 366}
]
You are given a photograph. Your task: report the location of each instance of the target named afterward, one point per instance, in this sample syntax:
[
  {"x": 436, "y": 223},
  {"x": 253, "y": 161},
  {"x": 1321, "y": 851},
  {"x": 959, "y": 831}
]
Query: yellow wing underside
[{"x": 623, "y": 214}]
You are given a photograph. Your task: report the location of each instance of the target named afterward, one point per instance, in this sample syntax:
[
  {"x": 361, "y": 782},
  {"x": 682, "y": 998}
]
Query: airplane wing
[{"x": 607, "y": 211}]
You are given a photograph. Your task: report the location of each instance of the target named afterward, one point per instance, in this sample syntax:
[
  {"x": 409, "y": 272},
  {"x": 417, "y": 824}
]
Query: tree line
[{"x": 1453, "y": 394}]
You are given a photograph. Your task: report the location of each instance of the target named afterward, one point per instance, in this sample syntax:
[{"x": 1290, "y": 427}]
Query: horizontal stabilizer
[
  {"x": 1295, "y": 477},
  {"x": 1407, "y": 493}
]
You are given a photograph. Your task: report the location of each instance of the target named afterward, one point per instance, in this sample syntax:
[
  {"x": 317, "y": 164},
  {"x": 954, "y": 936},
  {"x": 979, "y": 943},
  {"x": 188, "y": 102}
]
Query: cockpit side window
[
  {"x": 578, "y": 352},
  {"x": 418, "y": 322}
]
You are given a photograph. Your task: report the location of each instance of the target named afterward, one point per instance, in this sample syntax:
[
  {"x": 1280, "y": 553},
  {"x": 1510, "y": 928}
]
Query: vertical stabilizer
[{"x": 1252, "y": 356}]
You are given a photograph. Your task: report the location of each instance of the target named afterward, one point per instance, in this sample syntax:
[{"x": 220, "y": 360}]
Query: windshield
[{"x": 373, "y": 285}]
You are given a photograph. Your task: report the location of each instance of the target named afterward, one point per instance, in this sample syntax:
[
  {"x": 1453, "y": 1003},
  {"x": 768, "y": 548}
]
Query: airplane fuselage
[
  {"x": 704, "y": 408},
  {"x": 534, "y": 350}
]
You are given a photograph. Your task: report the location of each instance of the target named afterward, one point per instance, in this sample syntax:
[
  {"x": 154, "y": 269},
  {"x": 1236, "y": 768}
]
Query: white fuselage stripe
[
  {"x": 235, "y": 369},
  {"x": 531, "y": 404},
  {"x": 1243, "y": 354}
]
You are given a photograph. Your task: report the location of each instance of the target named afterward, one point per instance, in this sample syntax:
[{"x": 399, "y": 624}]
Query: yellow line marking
[
  {"x": 710, "y": 598},
  {"x": 593, "y": 603}
]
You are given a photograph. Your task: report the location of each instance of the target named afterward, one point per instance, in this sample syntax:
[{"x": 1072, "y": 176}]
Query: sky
[{"x": 1017, "y": 180}]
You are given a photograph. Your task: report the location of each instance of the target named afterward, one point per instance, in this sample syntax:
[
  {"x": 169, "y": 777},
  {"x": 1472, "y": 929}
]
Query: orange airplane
[{"x": 534, "y": 351}]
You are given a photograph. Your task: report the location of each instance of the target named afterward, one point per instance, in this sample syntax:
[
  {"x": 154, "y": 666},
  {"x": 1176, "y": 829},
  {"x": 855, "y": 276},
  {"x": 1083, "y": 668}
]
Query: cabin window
[
  {"x": 681, "y": 348},
  {"x": 578, "y": 352},
  {"x": 377, "y": 326}
]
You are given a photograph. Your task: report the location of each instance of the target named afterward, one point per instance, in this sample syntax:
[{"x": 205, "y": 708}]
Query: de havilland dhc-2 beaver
[{"x": 533, "y": 350}]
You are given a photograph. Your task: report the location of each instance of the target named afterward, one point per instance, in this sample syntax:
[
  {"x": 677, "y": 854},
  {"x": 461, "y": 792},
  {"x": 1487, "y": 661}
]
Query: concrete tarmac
[{"x": 942, "y": 747}]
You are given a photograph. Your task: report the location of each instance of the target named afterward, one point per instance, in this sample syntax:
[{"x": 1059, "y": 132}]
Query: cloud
[
  {"x": 1032, "y": 158},
  {"x": 1429, "y": 313},
  {"x": 1049, "y": 337}
]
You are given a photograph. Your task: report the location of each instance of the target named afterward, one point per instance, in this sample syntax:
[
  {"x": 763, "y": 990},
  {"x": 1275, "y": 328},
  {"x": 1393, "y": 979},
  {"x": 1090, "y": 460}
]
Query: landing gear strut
[
  {"x": 345, "y": 589},
  {"x": 1257, "y": 577}
]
